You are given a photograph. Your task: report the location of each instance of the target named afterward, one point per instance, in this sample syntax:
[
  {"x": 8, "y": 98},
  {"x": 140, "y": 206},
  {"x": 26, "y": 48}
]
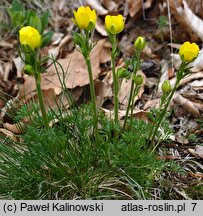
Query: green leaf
[
  {"x": 78, "y": 39},
  {"x": 17, "y": 6},
  {"x": 36, "y": 23},
  {"x": 44, "y": 20},
  {"x": 46, "y": 38},
  {"x": 30, "y": 16}
]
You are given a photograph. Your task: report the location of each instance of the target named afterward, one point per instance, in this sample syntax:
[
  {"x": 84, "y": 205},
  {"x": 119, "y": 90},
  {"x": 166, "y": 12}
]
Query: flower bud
[
  {"x": 138, "y": 79},
  {"x": 166, "y": 86},
  {"x": 140, "y": 43},
  {"x": 122, "y": 73},
  {"x": 28, "y": 69}
]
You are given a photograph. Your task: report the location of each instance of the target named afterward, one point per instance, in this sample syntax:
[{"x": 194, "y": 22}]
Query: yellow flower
[
  {"x": 114, "y": 24},
  {"x": 30, "y": 36},
  {"x": 188, "y": 51},
  {"x": 85, "y": 18}
]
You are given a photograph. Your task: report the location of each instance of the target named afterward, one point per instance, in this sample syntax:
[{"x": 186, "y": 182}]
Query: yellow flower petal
[
  {"x": 85, "y": 18},
  {"x": 114, "y": 24},
  {"x": 188, "y": 52},
  {"x": 30, "y": 36}
]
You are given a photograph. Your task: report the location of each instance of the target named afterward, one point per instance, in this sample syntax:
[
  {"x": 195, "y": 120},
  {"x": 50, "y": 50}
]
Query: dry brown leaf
[
  {"x": 193, "y": 21},
  {"x": 13, "y": 128},
  {"x": 100, "y": 27},
  {"x": 124, "y": 91},
  {"x": 19, "y": 66},
  {"x": 193, "y": 76},
  {"x": 198, "y": 151},
  {"x": 6, "y": 44},
  {"x": 137, "y": 113},
  {"x": 56, "y": 38},
  {"x": 152, "y": 104},
  {"x": 8, "y": 134},
  {"x": 52, "y": 96},
  {"x": 75, "y": 94},
  {"x": 148, "y": 4},
  {"x": 186, "y": 104},
  {"x": 195, "y": 175},
  {"x": 134, "y": 7},
  {"x": 54, "y": 52},
  {"x": 75, "y": 79},
  {"x": 193, "y": 91},
  {"x": 187, "y": 79},
  {"x": 102, "y": 90},
  {"x": 110, "y": 5},
  {"x": 7, "y": 69},
  {"x": 97, "y": 6},
  {"x": 187, "y": 18},
  {"x": 75, "y": 69},
  {"x": 169, "y": 157},
  {"x": 198, "y": 63}
]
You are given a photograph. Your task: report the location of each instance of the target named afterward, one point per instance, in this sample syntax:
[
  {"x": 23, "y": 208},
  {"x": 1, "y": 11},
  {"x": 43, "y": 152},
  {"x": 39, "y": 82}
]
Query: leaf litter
[{"x": 187, "y": 104}]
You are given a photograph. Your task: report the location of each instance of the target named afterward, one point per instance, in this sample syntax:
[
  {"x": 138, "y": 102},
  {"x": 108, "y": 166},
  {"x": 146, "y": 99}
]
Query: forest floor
[{"x": 165, "y": 26}]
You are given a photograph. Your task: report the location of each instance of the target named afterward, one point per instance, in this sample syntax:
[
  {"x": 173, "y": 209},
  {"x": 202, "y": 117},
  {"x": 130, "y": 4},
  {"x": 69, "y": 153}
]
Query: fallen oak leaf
[{"x": 75, "y": 68}]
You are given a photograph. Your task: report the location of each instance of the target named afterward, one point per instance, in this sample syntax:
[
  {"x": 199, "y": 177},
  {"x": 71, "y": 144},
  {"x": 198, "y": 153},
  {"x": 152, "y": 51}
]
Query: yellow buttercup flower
[
  {"x": 30, "y": 36},
  {"x": 85, "y": 18},
  {"x": 188, "y": 51},
  {"x": 114, "y": 24}
]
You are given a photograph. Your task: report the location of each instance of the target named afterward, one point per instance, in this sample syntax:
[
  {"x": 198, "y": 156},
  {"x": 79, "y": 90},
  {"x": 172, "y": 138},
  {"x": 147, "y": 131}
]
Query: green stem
[
  {"x": 86, "y": 54},
  {"x": 179, "y": 75},
  {"x": 163, "y": 114},
  {"x": 41, "y": 100},
  {"x": 92, "y": 91},
  {"x": 132, "y": 105},
  {"x": 136, "y": 66},
  {"x": 115, "y": 82},
  {"x": 129, "y": 103}
]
